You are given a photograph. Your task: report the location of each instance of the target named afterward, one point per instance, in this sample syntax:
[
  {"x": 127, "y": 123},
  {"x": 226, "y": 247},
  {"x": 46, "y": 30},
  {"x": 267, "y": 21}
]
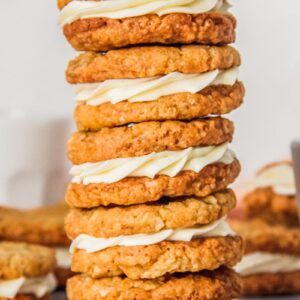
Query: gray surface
[
  {"x": 296, "y": 164},
  {"x": 61, "y": 296}
]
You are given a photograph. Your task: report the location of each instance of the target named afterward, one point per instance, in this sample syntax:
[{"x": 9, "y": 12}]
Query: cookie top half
[
  {"x": 150, "y": 218},
  {"x": 139, "y": 62}
]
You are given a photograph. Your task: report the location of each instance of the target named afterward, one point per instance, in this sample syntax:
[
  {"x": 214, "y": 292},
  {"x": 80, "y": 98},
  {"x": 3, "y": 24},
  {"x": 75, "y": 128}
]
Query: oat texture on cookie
[
  {"x": 151, "y": 155},
  {"x": 42, "y": 226},
  {"x": 26, "y": 271}
]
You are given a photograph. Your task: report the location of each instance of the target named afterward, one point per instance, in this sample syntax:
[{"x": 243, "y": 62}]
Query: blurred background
[{"x": 34, "y": 55}]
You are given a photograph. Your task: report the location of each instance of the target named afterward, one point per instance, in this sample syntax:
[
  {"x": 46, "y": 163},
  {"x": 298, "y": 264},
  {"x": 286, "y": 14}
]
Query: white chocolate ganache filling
[
  {"x": 168, "y": 163},
  {"x": 262, "y": 262},
  {"x": 37, "y": 286},
  {"x": 92, "y": 244},
  {"x": 119, "y": 9},
  {"x": 151, "y": 88}
]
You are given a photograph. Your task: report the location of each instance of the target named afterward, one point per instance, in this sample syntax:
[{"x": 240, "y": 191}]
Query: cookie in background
[
  {"x": 26, "y": 271},
  {"x": 271, "y": 264},
  {"x": 271, "y": 195},
  {"x": 43, "y": 226}
]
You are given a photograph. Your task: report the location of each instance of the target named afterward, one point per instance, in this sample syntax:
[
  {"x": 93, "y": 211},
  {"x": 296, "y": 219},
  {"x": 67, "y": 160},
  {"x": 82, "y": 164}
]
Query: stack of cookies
[
  {"x": 151, "y": 160},
  {"x": 270, "y": 229}
]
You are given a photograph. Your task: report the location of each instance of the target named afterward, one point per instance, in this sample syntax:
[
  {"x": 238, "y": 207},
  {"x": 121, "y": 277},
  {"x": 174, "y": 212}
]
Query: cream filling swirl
[
  {"x": 168, "y": 163},
  {"x": 119, "y": 9},
  {"x": 91, "y": 244},
  {"x": 63, "y": 257},
  {"x": 279, "y": 177},
  {"x": 262, "y": 262},
  {"x": 38, "y": 286},
  {"x": 151, "y": 88}
]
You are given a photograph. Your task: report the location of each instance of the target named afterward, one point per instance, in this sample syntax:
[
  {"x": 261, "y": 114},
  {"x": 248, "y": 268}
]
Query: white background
[{"x": 34, "y": 54}]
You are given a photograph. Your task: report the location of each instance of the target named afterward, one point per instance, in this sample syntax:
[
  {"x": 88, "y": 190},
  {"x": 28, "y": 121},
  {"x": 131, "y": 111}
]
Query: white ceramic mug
[{"x": 34, "y": 168}]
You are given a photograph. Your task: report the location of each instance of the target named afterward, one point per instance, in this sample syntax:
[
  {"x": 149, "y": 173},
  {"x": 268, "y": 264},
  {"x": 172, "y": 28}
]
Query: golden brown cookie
[
  {"x": 62, "y": 3},
  {"x": 102, "y": 34},
  {"x": 149, "y": 218},
  {"x": 271, "y": 284},
  {"x": 140, "y": 62},
  {"x": 155, "y": 260},
  {"x": 135, "y": 190},
  {"x": 27, "y": 297},
  {"x": 271, "y": 207},
  {"x": 62, "y": 275},
  {"x": 44, "y": 226},
  {"x": 20, "y": 259},
  {"x": 219, "y": 284},
  {"x": 145, "y": 138},
  {"x": 259, "y": 236},
  {"x": 213, "y": 100}
]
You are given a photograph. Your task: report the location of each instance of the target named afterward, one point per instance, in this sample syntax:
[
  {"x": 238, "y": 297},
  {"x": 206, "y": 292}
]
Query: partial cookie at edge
[
  {"x": 273, "y": 208},
  {"x": 20, "y": 259},
  {"x": 155, "y": 260},
  {"x": 145, "y": 138},
  {"x": 259, "y": 236},
  {"x": 213, "y": 100},
  {"x": 138, "y": 62},
  {"x": 42, "y": 226},
  {"x": 216, "y": 285},
  {"x": 271, "y": 284},
  {"x": 135, "y": 190}
]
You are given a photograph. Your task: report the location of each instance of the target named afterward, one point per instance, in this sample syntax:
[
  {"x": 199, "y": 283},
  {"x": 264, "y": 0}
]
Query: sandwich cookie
[
  {"x": 42, "y": 226},
  {"x": 100, "y": 25},
  {"x": 195, "y": 172},
  {"x": 26, "y": 271},
  {"x": 271, "y": 195},
  {"x": 219, "y": 284},
  {"x": 148, "y": 256},
  {"x": 171, "y": 87},
  {"x": 174, "y": 96},
  {"x": 271, "y": 264}
]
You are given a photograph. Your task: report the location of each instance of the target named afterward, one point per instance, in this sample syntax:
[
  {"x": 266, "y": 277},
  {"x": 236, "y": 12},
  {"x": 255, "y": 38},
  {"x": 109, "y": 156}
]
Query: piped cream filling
[
  {"x": 38, "y": 286},
  {"x": 91, "y": 244},
  {"x": 279, "y": 177},
  {"x": 152, "y": 88},
  {"x": 63, "y": 257},
  {"x": 168, "y": 163},
  {"x": 119, "y": 9},
  {"x": 262, "y": 262}
]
